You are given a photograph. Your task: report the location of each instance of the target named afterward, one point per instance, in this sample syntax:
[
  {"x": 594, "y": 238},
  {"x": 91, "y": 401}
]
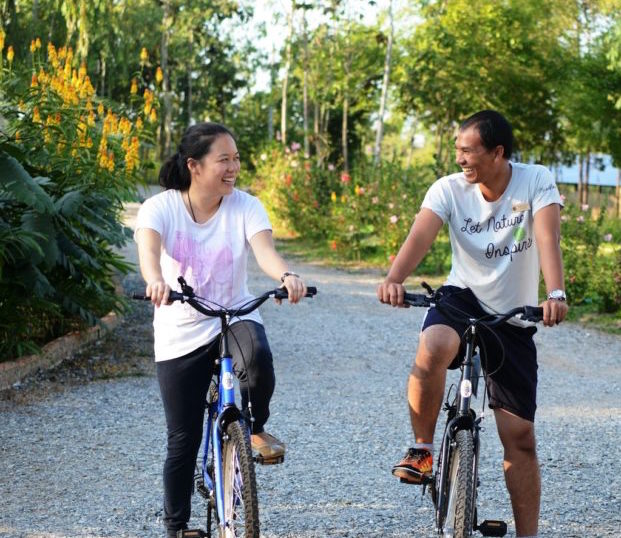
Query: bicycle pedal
[
  {"x": 491, "y": 527},
  {"x": 191, "y": 533},
  {"x": 269, "y": 461}
]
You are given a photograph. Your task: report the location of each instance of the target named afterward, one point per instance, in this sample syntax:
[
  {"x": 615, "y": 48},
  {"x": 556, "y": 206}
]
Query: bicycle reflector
[{"x": 492, "y": 527}]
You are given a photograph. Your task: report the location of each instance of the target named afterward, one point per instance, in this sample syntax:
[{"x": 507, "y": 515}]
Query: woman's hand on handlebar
[
  {"x": 391, "y": 293},
  {"x": 295, "y": 288},
  {"x": 554, "y": 312},
  {"x": 158, "y": 290}
]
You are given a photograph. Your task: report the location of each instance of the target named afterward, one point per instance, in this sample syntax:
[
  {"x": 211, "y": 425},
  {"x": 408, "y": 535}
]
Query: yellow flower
[
  {"x": 147, "y": 108},
  {"x": 38, "y": 43},
  {"x": 153, "y": 116},
  {"x": 159, "y": 75},
  {"x": 82, "y": 71},
  {"x": 333, "y": 197},
  {"x": 2, "y": 36},
  {"x": 36, "y": 116},
  {"x": 10, "y": 54},
  {"x": 100, "y": 109},
  {"x": 139, "y": 124},
  {"x": 34, "y": 81},
  {"x": 33, "y": 46},
  {"x": 134, "y": 87},
  {"x": 144, "y": 56},
  {"x": 18, "y": 136},
  {"x": 343, "y": 198}
]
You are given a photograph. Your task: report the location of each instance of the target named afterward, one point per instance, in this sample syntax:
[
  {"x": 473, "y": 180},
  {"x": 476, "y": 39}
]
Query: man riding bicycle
[{"x": 504, "y": 227}]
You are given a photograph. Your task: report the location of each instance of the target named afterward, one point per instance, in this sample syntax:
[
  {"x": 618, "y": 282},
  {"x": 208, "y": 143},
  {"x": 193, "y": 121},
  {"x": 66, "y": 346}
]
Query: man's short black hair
[{"x": 494, "y": 130}]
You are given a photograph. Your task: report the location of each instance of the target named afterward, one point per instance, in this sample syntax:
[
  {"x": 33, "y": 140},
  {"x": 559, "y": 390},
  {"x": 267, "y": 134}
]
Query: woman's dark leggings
[{"x": 183, "y": 384}]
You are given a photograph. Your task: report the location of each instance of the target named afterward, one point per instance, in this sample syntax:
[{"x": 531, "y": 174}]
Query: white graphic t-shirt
[
  {"x": 212, "y": 257},
  {"x": 493, "y": 243}
]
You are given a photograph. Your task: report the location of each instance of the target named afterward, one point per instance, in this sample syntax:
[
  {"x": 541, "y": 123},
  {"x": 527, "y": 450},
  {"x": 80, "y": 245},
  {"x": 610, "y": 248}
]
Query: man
[{"x": 504, "y": 226}]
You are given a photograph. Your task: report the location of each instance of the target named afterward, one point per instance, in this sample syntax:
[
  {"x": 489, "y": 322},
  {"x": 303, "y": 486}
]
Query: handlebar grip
[
  {"x": 172, "y": 296},
  {"x": 532, "y": 313},
  {"x": 282, "y": 293},
  {"x": 416, "y": 299}
]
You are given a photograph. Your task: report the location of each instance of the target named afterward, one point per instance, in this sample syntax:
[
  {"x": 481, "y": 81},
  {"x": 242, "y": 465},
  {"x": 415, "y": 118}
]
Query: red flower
[
  {"x": 288, "y": 180},
  {"x": 391, "y": 258},
  {"x": 333, "y": 245},
  {"x": 296, "y": 197},
  {"x": 345, "y": 177}
]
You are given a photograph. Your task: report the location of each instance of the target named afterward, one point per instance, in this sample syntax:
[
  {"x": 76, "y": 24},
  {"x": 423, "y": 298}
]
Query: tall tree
[{"x": 380, "y": 120}]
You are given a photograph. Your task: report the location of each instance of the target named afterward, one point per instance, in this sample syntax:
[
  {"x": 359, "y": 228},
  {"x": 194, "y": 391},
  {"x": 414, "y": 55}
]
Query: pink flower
[
  {"x": 584, "y": 207},
  {"x": 345, "y": 177},
  {"x": 608, "y": 238},
  {"x": 563, "y": 198},
  {"x": 580, "y": 218},
  {"x": 391, "y": 205},
  {"x": 391, "y": 258},
  {"x": 295, "y": 146},
  {"x": 394, "y": 219},
  {"x": 331, "y": 167},
  {"x": 563, "y": 218},
  {"x": 375, "y": 200}
]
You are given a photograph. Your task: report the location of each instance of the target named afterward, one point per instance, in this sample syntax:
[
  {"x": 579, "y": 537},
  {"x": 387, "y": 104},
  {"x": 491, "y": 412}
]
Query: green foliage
[
  {"x": 592, "y": 259},
  {"x": 362, "y": 214},
  {"x": 67, "y": 162}
]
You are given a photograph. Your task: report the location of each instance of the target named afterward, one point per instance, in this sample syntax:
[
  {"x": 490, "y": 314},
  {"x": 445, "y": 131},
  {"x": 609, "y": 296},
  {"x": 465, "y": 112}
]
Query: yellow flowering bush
[{"x": 68, "y": 160}]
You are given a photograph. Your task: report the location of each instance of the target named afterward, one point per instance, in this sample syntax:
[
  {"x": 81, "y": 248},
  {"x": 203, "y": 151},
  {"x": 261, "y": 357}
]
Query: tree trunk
[
  {"x": 580, "y": 178},
  {"x": 380, "y": 121},
  {"x": 270, "y": 109},
  {"x": 316, "y": 133},
  {"x": 189, "y": 98},
  {"x": 344, "y": 133},
  {"x": 618, "y": 192},
  {"x": 285, "y": 81},
  {"x": 166, "y": 113},
  {"x": 305, "y": 91},
  {"x": 587, "y": 174}
]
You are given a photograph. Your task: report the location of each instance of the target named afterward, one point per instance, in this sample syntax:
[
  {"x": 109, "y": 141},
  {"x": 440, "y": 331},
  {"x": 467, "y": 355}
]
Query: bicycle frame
[{"x": 223, "y": 411}]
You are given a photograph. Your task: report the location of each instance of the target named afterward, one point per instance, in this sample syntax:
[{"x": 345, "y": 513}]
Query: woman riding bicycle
[
  {"x": 504, "y": 224},
  {"x": 201, "y": 227}
]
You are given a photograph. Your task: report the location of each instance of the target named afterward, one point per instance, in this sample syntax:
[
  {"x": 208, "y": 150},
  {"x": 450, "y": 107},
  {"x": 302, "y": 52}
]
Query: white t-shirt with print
[
  {"x": 493, "y": 243},
  {"x": 212, "y": 257}
]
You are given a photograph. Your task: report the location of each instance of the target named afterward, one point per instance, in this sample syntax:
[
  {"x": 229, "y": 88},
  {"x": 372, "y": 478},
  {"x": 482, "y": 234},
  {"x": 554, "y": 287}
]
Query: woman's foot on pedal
[
  {"x": 267, "y": 448},
  {"x": 415, "y": 467}
]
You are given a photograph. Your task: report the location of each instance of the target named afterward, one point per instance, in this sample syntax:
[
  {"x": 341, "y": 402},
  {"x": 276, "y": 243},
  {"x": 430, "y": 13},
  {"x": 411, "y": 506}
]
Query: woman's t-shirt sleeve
[
  {"x": 255, "y": 218},
  {"x": 151, "y": 215}
]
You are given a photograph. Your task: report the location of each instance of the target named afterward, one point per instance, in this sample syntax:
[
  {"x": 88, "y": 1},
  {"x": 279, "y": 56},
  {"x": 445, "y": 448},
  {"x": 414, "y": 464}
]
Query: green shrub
[{"x": 67, "y": 162}]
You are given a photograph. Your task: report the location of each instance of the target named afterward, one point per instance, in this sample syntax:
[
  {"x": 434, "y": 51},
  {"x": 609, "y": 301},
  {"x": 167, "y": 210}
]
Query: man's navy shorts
[{"x": 512, "y": 383}]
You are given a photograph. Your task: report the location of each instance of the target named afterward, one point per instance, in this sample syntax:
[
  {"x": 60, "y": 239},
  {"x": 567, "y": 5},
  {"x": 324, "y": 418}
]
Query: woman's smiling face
[{"x": 217, "y": 170}]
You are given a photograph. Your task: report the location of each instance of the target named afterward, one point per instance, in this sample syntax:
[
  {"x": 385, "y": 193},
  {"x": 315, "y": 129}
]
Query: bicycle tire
[
  {"x": 241, "y": 506},
  {"x": 460, "y": 506}
]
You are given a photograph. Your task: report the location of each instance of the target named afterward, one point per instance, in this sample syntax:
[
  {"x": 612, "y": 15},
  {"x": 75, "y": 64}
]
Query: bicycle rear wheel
[
  {"x": 241, "y": 507},
  {"x": 460, "y": 503}
]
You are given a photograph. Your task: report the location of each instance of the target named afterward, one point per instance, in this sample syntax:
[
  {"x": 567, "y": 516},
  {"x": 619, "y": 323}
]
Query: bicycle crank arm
[{"x": 491, "y": 527}]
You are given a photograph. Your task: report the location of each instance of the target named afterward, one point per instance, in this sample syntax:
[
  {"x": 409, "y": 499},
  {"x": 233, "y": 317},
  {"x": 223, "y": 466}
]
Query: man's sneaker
[{"x": 415, "y": 466}]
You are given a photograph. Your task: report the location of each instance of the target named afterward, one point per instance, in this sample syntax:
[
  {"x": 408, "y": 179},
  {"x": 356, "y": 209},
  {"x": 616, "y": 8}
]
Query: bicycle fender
[{"x": 227, "y": 416}]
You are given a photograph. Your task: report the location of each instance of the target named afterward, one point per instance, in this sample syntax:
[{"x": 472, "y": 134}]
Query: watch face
[{"x": 557, "y": 294}]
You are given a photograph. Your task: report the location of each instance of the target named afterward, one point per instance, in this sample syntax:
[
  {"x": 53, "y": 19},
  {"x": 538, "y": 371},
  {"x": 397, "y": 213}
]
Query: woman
[{"x": 200, "y": 228}]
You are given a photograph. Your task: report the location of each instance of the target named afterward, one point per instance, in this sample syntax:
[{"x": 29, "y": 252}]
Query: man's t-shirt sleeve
[
  {"x": 436, "y": 199},
  {"x": 255, "y": 218},
  {"x": 545, "y": 190}
]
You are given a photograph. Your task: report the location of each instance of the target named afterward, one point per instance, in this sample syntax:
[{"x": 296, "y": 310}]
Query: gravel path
[{"x": 83, "y": 459}]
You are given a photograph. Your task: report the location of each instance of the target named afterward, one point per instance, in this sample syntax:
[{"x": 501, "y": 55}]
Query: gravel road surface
[{"x": 81, "y": 447}]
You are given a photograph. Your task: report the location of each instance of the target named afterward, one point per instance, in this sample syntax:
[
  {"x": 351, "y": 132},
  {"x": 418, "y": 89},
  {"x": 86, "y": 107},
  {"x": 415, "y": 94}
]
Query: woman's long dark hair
[{"x": 195, "y": 143}]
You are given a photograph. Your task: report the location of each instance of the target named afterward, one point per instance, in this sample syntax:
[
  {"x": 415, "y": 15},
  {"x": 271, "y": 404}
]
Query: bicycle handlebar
[
  {"x": 188, "y": 296},
  {"x": 529, "y": 313}
]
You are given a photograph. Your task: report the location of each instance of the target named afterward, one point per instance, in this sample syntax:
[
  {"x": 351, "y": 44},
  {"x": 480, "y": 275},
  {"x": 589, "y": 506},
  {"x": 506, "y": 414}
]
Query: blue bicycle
[{"x": 225, "y": 477}]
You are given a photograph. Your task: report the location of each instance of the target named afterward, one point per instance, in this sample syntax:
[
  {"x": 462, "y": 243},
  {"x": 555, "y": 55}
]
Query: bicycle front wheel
[
  {"x": 460, "y": 506},
  {"x": 241, "y": 507}
]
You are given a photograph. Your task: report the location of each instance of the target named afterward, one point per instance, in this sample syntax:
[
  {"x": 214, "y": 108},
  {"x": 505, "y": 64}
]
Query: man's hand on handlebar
[
  {"x": 391, "y": 293},
  {"x": 554, "y": 311}
]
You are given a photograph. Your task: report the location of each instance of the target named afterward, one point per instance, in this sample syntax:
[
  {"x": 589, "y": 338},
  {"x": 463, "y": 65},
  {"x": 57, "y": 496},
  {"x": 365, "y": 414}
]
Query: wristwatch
[
  {"x": 557, "y": 295},
  {"x": 286, "y": 274}
]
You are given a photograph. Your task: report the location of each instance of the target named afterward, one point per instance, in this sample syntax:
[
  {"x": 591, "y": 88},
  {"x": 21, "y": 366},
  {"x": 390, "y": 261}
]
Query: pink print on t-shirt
[{"x": 208, "y": 270}]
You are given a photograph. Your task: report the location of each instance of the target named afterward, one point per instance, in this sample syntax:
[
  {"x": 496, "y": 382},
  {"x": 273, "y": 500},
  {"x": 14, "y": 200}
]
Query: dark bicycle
[
  {"x": 455, "y": 482},
  {"x": 225, "y": 477}
]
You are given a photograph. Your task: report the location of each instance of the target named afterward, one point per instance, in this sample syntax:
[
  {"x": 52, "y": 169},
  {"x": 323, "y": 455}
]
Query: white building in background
[{"x": 601, "y": 172}]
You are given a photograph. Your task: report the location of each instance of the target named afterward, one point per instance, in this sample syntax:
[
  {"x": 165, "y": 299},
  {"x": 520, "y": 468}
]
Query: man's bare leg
[
  {"x": 436, "y": 350},
  {"x": 521, "y": 470}
]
